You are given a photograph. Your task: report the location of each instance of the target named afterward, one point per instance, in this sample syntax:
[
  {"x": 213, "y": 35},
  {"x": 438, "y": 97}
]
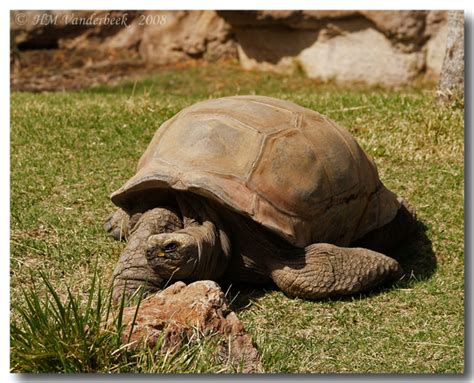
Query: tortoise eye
[{"x": 169, "y": 247}]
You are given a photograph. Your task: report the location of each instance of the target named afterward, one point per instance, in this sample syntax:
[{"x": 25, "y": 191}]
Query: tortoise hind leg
[
  {"x": 389, "y": 236},
  {"x": 324, "y": 270}
]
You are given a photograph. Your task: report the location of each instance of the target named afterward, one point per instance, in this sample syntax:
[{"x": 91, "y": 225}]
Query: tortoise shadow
[
  {"x": 417, "y": 258},
  {"x": 241, "y": 295},
  {"x": 415, "y": 255}
]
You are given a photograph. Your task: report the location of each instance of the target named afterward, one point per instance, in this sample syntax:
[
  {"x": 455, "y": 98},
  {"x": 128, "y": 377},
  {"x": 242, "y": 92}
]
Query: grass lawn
[{"x": 70, "y": 150}]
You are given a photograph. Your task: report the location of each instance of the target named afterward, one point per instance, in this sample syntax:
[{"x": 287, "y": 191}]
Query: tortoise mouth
[{"x": 127, "y": 287}]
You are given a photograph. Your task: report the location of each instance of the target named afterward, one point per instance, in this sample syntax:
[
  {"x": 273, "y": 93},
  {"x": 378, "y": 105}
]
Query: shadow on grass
[
  {"x": 415, "y": 255},
  {"x": 241, "y": 296}
]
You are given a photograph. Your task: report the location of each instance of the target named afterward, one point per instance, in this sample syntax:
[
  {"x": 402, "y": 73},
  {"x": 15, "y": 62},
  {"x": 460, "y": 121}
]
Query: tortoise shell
[{"x": 289, "y": 168}]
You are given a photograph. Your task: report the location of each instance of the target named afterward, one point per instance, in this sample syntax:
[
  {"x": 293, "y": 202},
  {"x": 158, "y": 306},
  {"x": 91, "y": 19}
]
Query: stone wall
[{"x": 375, "y": 47}]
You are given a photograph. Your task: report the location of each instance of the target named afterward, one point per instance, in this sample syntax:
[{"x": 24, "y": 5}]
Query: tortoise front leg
[
  {"x": 325, "y": 270},
  {"x": 132, "y": 270},
  {"x": 117, "y": 224}
]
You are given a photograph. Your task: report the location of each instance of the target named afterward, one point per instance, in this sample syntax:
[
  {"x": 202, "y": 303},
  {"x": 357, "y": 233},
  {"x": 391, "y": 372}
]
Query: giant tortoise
[{"x": 256, "y": 189}]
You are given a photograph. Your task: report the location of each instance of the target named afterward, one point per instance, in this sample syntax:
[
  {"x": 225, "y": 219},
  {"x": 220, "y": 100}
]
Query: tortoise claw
[{"x": 116, "y": 224}]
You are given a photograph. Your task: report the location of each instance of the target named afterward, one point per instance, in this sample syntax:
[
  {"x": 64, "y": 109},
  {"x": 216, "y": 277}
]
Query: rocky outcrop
[
  {"x": 176, "y": 313},
  {"x": 186, "y": 35},
  {"x": 66, "y": 29},
  {"x": 375, "y": 47},
  {"x": 57, "y": 50},
  {"x": 161, "y": 37},
  {"x": 362, "y": 56}
]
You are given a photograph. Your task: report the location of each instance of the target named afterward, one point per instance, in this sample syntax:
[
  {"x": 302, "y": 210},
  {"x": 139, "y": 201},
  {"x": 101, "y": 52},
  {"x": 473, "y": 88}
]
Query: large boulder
[
  {"x": 185, "y": 35},
  {"x": 375, "y": 47},
  {"x": 361, "y": 56},
  {"x": 176, "y": 313},
  {"x": 405, "y": 29},
  {"x": 161, "y": 37}
]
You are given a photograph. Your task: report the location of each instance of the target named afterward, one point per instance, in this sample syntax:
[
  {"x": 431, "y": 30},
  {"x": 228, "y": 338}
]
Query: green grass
[
  {"x": 70, "y": 150},
  {"x": 67, "y": 336}
]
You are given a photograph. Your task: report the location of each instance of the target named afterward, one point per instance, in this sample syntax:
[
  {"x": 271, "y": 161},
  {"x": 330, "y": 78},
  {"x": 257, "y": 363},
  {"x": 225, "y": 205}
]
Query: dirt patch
[{"x": 62, "y": 69}]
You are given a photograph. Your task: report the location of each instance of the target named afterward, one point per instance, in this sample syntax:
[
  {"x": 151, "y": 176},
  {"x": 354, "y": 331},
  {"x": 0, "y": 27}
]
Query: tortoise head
[{"x": 172, "y": 255}]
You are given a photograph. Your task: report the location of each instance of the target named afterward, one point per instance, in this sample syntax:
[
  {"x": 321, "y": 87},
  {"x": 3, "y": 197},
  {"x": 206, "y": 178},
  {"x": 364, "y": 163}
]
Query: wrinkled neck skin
[
  {"x": 132, "y": 270},
  {"x": 204, "y": 224}
]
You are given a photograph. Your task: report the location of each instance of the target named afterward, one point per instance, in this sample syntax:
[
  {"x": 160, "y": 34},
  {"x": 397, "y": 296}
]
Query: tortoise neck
[
  {"x": 205, "y": 225},
  {"x": 211, "y": 258},
  {"x": 251, "y": 241}
]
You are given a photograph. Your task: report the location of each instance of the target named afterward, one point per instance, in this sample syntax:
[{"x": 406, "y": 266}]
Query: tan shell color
[{"x": 287, "y": 167}]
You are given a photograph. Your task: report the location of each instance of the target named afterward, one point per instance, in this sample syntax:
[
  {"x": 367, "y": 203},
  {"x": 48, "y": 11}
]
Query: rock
[
  {"x": 403, "y": 27},
  {"x": 178, "y": 311},
  {"x": 186, "y": 35},
  {"x": 272, "y": 49},
  {"x": 399, "y": 26},
  {"x": 435, "y": 51},
  {"x": 41, "y": 29},
  {"x": 124, "y": 36},
  {"x": 451, "y": 84},
  {"x": 364, "y": 56},
  {"x": 435, "y": 20},
  {"x": 275, "y": 47},
  {"x": 436, "y": 31},
  {"x": 374, "y": 47},
  {"x": 162, "y": 37},
  {"x": 291, "y": 19},
  {"x": 59, "y": 29}
]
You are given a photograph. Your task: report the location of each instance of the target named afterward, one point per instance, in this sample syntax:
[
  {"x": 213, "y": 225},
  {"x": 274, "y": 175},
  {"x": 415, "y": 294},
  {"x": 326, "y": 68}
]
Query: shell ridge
[
  {"x": 354, "y": 159},
  {"x": 323, "y": 165},
  {"x": 220, "y": 115}
]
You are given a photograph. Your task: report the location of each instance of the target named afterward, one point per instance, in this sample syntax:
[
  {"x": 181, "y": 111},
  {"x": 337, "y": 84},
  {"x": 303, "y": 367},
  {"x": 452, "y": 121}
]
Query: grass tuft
[{"x": 52, "y": 334}]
